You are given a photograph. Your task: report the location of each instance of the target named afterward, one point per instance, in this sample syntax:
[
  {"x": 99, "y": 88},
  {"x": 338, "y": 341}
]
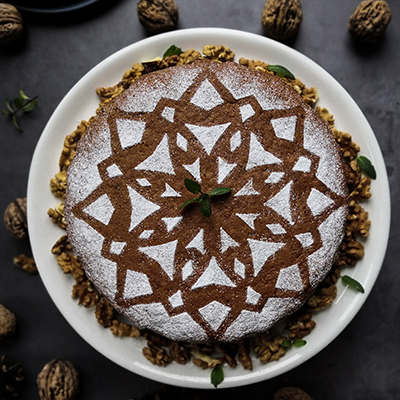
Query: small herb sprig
[
  {"x": 21, "y": 103},
  {"x": 204, "y": 198}
]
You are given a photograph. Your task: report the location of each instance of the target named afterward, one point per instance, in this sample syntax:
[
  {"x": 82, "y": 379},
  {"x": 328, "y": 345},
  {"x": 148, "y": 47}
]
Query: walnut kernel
[
  {"x": 281, "y": 19},
  {"x": 369, "y": 20},
  {"x": 58, "y": 380},
  {"x": 10, "y": 24},
  {"x": 26, "y": 263},
  {"x": 158, "y": 15}
]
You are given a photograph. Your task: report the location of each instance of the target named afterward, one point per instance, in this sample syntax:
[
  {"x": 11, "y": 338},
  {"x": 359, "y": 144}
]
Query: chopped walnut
[
  {"x": 361, "y": 192},
  {"x": 70, "y": 264},
  {"x": 229, "y": 351},
  {"x": 200, "y": 363},
  {"x": 269, "y": 349},
  {"x": 331, "y": 278},
  {"x": 61, "y": 246},
  {"x": 357, "y": 222},
  {"x": 218, "y": 53},
  {"x": 300, "y": 325},
  {"x": 86, "y": 294},
  {"x": 179, "y": 353},
  {"x": 157, "y": 355},
  {"x": 349, "y": 253},
  {"x": 326, "y": 115},
  {"x": 211, "y": 362},
  {"x": 155, "y": 338},
  {"x": 132, "y": 74},
  {"x": 353, "y": 175},
  {"x": 106, "y": 94},
  {"x": 205, "y": 348},
  {"x": 26, "y": 263},
  {"x": 255, "y": 64},
  {"x": 244, "y": 355},
  {"x": 348, "y": 147},
  {"x": 57, "y": 215},
  {"x": 70, "y": 142},
  {"x": 189, "y": 56},
  {"x": 322, "y": 298},
  {"x": 105, "y": 313},
  {"x": 58, "y": 184},
  {"x": 119, "y": 328}
]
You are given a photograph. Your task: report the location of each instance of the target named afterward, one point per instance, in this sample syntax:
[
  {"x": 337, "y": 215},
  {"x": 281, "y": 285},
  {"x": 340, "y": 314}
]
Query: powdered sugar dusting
[
  {"x": 209, "y": 260},
  {"x": 290, "y": 279}
]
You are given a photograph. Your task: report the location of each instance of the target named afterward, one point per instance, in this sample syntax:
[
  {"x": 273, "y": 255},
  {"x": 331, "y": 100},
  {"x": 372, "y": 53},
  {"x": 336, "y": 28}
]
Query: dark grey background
[{"x": 57, "y": 50}]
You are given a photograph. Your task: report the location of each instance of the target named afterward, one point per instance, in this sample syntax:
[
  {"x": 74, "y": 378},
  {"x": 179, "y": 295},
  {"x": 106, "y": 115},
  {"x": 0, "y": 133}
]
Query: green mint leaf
[
  {"x": 218, "y": 191},
  {"x": 365, "y": 164},
  {"x": 194, "y": 200},
  {"x": 299, "y": 343},
  {"x": 23, "y": 96},
  {"x": 287, "y": 343},
  {"x": 29, "y": 106},
  {"x": 192, "y": 186},
  {"x": 281, "y": 71},
  {"x": 14, "y": 118},
  {"x": 172, "y": 51},
  {"x": 205, "y": 206},
  {"x": 348, "y": 280},
  {"x": 9, "y": 105},
  {"x": 217, "y": 375}
]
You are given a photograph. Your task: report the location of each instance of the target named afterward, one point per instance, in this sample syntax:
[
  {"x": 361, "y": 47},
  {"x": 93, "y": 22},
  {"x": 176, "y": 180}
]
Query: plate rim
[{"x": 202, "y": 380}]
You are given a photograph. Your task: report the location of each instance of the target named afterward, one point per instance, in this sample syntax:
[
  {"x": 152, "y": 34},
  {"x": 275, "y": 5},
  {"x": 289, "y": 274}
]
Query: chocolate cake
[{"x": 267, "y": 244}]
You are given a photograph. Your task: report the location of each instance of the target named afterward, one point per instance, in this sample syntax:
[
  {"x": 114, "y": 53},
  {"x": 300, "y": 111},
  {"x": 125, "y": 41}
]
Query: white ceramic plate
[{"x": 81, "y": 102}]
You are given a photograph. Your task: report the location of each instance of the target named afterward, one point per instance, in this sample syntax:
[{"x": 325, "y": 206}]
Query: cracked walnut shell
[
  {"x": 16, "y": 220},
  {"x": 281, "y": 19},
  {"x": 58, "y": 380},
  {"x": 369, "y": 20},
  {"x": 8, "y": 322},
  {"x": 10, "y": 24},
  {"x": 158, "y": 15}
]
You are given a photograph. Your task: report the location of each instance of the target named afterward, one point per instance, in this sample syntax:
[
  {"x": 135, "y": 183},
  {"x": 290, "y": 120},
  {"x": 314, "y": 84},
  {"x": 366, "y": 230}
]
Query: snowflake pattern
[{"x": 214, "y": 281}]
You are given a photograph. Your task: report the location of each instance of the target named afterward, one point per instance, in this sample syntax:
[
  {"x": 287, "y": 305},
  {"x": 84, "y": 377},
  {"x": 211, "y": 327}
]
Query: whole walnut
[
  {"x": 15, "y": 218},
  {"x": 58, "y": 380},
  {"x": 291, "y": 393},
  {"x": 370, "y": 20},
  {"x": 10, "y": 23},
  {"x": 281, "y": 19},
  {"x": 8, "y": 322},
  {"x": 158, "y": 15}
]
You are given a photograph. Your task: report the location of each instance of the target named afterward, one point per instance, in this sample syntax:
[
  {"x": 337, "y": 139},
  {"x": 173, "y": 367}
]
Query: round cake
[{"x": 267, "y": 244}]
